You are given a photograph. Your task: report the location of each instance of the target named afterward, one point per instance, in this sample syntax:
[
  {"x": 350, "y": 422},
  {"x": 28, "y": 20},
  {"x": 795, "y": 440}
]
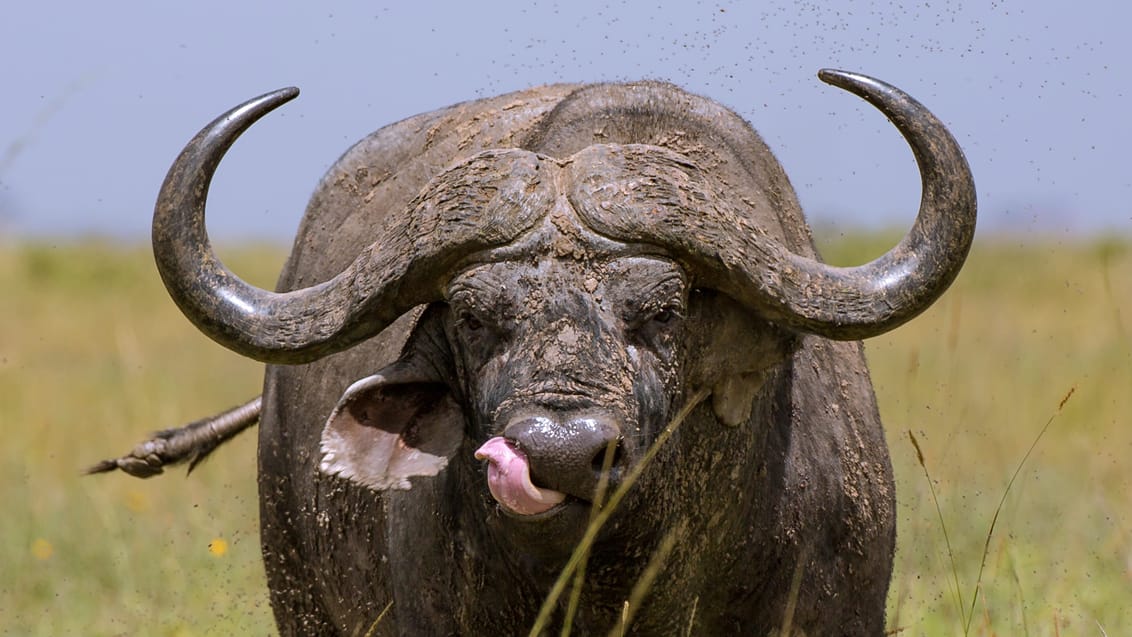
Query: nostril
[{"x": 608, "y": 456}]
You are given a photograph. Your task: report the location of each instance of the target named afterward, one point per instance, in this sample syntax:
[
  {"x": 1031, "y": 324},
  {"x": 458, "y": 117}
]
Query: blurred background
[{"x": 98, "y": 98}]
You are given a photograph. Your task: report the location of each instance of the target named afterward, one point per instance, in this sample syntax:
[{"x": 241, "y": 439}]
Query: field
[{"x": 93, "y": 356}]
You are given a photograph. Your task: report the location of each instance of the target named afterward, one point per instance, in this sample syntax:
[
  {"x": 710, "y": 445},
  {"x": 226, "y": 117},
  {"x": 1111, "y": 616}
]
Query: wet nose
[{"x": 567, "y": 455}]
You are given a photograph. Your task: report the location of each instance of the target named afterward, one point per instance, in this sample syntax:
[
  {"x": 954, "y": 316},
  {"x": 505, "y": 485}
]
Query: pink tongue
[{"x": 509, "y": 479}]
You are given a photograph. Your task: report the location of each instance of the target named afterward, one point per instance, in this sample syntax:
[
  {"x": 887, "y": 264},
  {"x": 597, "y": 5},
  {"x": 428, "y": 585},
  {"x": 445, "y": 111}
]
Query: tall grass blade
[
  {"x": 1002, "y": 501},
  {"x": 792, "y": 600},
  {"x": 942, "y": 526},
  {"x": 692, "y": 617},
  {"x": 606, "y": 512},
  {"x": 1021, "y": 595},
  {"x": 1107, "y": 252},
  {"x": 580, "y": 575},
  {"x": 648, "y": 576},
  {"x": 377, "y": 622}
]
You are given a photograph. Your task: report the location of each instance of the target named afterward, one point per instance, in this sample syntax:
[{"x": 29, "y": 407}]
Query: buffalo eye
[
  {"x": 469, "y": 321},
  {"x": 664, "y": 316},
  {"x": 656, "y": 318}
]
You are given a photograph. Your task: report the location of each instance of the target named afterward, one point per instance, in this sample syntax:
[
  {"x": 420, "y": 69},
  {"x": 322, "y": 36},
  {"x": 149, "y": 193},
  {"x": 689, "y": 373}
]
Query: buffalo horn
[
  {"x": 652, "y": 195},
  {"x": 452, "y": 218}
]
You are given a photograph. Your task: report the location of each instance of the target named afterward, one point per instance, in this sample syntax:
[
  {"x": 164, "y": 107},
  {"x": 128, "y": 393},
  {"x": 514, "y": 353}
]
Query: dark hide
[{"x": 783, "y": 472}]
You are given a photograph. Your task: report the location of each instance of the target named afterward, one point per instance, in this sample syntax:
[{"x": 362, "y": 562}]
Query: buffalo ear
[
  {"x": 738, "y": 352},
  {"x": 733, "y": 396},
  {"x": 390, "y": 427}
]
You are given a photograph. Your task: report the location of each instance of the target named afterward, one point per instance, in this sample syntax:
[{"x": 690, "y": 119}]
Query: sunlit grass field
[{"x": 93, "y": 356}]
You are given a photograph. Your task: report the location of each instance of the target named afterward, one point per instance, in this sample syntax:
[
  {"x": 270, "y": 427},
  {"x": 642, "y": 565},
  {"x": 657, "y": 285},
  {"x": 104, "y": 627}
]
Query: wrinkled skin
[
  {"x": 798, "y": 483},
  {"x": 502, "y": 299}
]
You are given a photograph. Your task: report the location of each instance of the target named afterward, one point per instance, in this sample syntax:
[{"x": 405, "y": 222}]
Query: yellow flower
[
  {"x": 218, "y": 547},
  {"x": 41, "y": 549},
  {"x": 137, "y": 502}
]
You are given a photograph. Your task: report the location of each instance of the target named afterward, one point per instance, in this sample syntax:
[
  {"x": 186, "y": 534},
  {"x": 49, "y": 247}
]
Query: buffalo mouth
[
  {"x": 519, "y": 494},
  {"x": 509, "y": 481}
]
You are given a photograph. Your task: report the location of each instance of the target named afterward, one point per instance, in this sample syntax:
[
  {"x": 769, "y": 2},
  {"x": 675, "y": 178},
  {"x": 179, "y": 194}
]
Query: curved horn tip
[
  {"x": 256, "y": 107},
  {"x": 830, "y": 75},
  {"x": 287, "y": 92},
  {"x": 850, "y": 81},
  {"x": 276, "y": 98}
]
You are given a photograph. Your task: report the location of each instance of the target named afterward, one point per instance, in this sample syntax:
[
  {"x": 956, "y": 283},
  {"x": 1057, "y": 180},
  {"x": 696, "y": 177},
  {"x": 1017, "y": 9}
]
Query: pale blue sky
[{"x": 98, "y": 97}]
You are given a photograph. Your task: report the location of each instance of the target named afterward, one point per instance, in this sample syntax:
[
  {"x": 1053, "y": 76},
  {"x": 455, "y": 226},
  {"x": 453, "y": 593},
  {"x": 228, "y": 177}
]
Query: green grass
[
  {"x": 976, "y": 378},
  {"x": 93, "y": 356}
]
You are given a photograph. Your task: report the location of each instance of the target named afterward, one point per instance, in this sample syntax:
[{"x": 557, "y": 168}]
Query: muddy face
[{"x": 569, "y": 365}]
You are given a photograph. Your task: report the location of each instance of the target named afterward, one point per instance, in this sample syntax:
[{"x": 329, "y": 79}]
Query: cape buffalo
[{"x": 493, "y": 313}]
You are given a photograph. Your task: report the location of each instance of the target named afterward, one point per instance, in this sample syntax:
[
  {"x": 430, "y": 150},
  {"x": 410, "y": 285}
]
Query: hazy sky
[{"x": 99, "y": 97}]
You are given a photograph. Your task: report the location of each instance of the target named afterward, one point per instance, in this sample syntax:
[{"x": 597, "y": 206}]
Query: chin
[{"x": 550, "y": 535}]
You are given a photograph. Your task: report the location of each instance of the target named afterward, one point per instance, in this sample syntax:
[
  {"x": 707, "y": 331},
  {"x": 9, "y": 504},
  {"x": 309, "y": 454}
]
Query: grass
[
  {"x": 976, "y": 378},
  {"x": 93, "y": 356}
]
